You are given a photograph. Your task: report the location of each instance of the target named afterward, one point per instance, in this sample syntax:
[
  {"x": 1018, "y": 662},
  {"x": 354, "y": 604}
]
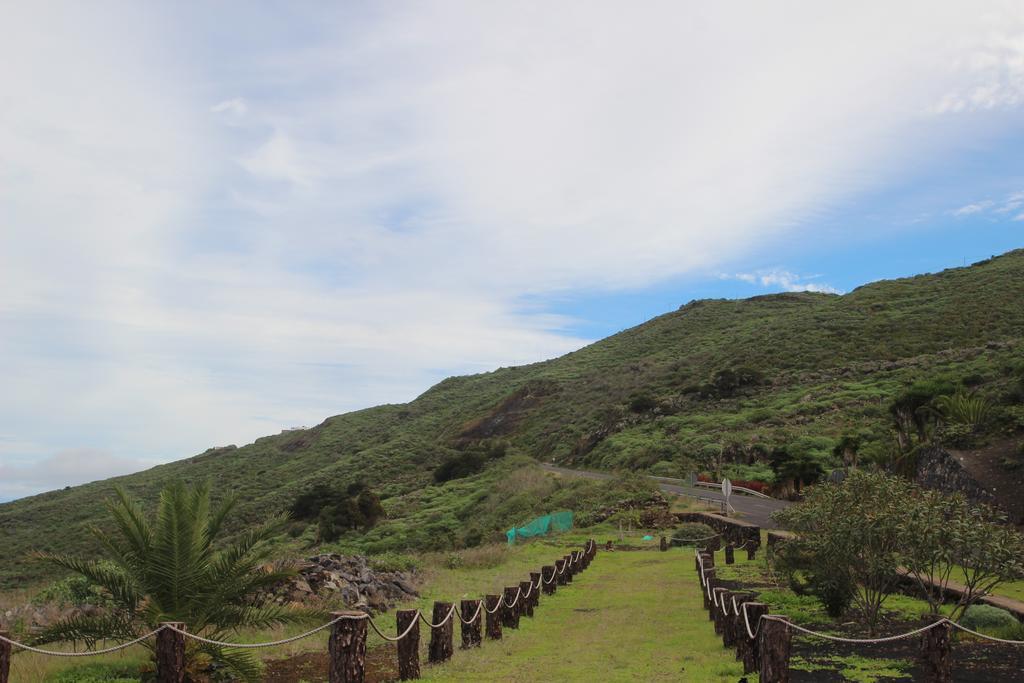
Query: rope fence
[
  {"x": 763, "y": 640},
  {"x": 347, "y": 644}
]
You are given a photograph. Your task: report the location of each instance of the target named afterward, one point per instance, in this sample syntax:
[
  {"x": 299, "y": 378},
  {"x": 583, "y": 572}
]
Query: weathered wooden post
[
  {"x": 493, "y": 616},
  {"x": 346, "y": 648},
  {"x": 409, "y": 646},
  {"x": 718, "y": 613},
  {"x": 751, "y": 550},
  {"x": 526, "y": 598},
  {"x": 471, "y": 611},
  {"x": 936, "y": 653},
  {"x": 5, "y": 657},
  {"x": 714, "y": 544},
  {"x": 441, "y": 637},
  {"x": 568, "y": 568},
  {"x": 170, "y": 653},
  {"x": 548, "y": 582},
  {"x": 728, "y": 620},
  {"x": 535, "y": 594},
  {"x": 738, "y": 628},
  {"x": 560, "y": 572},
  {"x": 709, "y": 559},
  {"x": 510, "y": 607},
  {"x": 752, "y": 650},
  {"x": 709, "y": 586},
  {"x": 664, "y": 544},
  {"x": 774, "y": 651},
  {"x": 730, "y": 553}
]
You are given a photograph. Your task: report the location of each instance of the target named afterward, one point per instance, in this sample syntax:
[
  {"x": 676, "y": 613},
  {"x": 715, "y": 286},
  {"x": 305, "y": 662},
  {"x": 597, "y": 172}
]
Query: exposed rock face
[
  {"x": 654, "y": 511},
  {"x": 938, "y": 469},
  {"x": 350, "y": 580}
]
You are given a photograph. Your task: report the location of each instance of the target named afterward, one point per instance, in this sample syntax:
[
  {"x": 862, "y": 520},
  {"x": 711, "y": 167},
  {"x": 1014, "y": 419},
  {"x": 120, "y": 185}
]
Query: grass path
[{"x": 631, "y": 616}]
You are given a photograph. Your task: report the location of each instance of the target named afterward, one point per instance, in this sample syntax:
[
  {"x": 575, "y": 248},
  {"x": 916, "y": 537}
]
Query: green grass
[
  {"x": 631, "y": 616},
  {"x": 831, "y": 363}
]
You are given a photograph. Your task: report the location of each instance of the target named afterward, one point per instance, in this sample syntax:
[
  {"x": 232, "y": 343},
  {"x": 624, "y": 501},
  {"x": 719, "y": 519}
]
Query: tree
[
  {"x": 850, "y": 536},
  {"x": 168, "y": 569},
  {"x": 846, "y": 450},
  {"x": 949, "y": 538},
  {"x": 912, "y": 411}
]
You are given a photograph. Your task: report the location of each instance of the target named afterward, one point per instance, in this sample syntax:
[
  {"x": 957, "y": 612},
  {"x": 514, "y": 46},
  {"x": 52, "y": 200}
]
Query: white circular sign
[{"x": 726, "y": 488}]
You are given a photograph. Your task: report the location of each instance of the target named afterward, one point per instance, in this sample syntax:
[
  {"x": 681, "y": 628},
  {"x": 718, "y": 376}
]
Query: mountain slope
[{"x": 827, "y": 365}]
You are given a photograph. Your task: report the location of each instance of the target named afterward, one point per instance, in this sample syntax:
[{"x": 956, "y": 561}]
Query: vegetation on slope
[{"x": 716, "y": 383}]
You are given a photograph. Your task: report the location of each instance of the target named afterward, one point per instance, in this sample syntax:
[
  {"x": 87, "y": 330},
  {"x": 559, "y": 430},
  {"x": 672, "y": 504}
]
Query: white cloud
[
  {"x": 236, "y": 106},
  {"x": 1005, "y": 205},
  {"x": 781, "y": 279},
  {"x": 65, "y": 468},
  {"x": 976, "y": 207},
  {"x": 377, "y": 190}
]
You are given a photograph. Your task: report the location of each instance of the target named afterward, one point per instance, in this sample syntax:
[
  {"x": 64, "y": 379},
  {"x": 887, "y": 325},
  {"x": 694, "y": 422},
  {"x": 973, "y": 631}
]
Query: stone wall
[{"x": 938, "y": 469}]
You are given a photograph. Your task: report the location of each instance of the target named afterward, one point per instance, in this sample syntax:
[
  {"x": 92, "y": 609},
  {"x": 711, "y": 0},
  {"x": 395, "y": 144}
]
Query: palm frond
[
  {"x": 89, "y": 630},
  {"x": 120, "y": 585}
]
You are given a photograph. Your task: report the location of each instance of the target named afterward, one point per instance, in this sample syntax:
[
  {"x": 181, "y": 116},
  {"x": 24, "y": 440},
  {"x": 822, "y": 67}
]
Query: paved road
[{"x": 748, "y": 508}]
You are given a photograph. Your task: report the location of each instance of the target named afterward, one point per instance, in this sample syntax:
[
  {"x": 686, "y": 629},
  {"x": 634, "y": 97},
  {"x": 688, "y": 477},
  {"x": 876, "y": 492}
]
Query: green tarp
[{"x": 556, "y": 521}]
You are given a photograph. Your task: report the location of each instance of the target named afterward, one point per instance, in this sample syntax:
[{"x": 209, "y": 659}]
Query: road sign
[{"x": 726, "y": 488}]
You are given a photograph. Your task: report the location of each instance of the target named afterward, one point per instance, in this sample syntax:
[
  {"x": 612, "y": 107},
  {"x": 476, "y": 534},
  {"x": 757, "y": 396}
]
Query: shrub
[
  {"x": 689, "y": 532},
  {"x": 642, "y": 403},
  {"x": 985, "y": 617}
]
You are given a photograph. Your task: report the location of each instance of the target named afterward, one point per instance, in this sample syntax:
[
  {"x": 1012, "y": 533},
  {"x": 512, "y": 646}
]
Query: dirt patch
[
  {"x": 381, "y": 667},
  {"x": 504, "y": 417}
]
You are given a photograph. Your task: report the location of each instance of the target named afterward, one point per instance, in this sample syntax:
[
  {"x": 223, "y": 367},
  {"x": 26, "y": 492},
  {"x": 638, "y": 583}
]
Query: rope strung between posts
[
  {"x": 87, "y": 653},
  {"x": 272, "y": 643},
  {"x": 694, "y": 540},
  {"x": 472, "y": 619},
  {"x": 576, "y": 557},
  {"x": 515, "y": 601},
  {"x": 443, "y": 621},
  {"x": 404, "y": 633}
]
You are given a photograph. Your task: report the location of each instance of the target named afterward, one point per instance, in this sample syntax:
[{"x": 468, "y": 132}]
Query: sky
[{"x": 222, "y": 220}]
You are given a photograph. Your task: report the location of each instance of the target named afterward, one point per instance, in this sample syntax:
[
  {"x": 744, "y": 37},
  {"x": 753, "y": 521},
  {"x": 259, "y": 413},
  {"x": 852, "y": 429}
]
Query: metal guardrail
[{"x": 735, "y": 489}]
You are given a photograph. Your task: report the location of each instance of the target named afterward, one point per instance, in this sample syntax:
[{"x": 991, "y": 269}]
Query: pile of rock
[
  {"x": 32, "y": 618},
  {"x": 653, "y": 511},
  {"x": 348, "y": 580}
]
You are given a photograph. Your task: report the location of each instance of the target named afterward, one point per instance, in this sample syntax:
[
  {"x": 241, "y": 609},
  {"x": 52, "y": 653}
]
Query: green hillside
[{"x": 800, "y": 371}]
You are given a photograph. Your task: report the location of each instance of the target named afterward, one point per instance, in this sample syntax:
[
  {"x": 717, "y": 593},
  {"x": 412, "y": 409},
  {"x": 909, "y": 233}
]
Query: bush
[
  {"x": 642, "y": 403},
  {"x": 986, "y": 617},
  {"x": 691, "y": 531}
]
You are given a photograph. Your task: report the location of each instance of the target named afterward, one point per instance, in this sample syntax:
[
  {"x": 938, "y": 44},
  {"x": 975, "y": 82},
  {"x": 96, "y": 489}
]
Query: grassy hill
[{"x": 715, "y": 379}]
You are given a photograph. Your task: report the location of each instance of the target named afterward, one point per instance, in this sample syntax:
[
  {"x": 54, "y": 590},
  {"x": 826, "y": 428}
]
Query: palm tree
[{"x": 169, "y": 569}]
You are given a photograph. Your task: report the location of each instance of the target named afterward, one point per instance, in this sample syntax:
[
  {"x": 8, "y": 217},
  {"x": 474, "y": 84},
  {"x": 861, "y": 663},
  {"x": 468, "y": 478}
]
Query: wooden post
[
  {"x": 751, "y": 551},
  {"x": 409, "y": 647},
  {"x": 664, "y": 544},
  {"x": 936, "y": 654},
  {"x": 5, "y": 658},
  {"x": 560, "y": 571},
  {"x": 714, "y": 544},
  {"x": 493, "y": 618},
  {"x": 510, "y": 614},
  {"x": 738, "y": 629},
  {"x": 526, "y": 603},
  {"x": 568, "y": 568},
  {"x": 730, "y": 553},
  {"x": 752, "y": 650},
  {"x": 774, "y": 650},
  {"x": 709, "y": 559},
  {"x": 718, "y": 613},
  {"x": 709, "y": 585},
  {"x": 728, "y": 634},
  {"x": 170, "y": 654},
  {"x": 471, "y": 630},
  {"x": 346, "y": 648},
  {"x": 535, "y": 595},
  {"x": 547, "y": 572},
  {"x": 441, "y": 637}
]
